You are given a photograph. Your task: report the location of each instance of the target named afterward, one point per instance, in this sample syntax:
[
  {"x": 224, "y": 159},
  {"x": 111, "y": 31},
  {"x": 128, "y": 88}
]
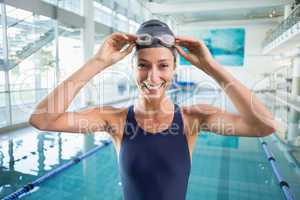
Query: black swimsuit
[{"x": 154, "y": 166}]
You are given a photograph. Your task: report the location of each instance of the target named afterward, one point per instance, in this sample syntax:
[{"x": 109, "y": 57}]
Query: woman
[{"x": 154, "y": 138}]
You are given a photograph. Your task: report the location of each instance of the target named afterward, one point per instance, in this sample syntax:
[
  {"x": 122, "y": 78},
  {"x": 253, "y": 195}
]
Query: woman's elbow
[
  {"x": 37, "y": 122},
  {"x": 266, "y": 131}
]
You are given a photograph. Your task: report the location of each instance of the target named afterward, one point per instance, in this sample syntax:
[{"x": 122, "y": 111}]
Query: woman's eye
[
  {"x": 141, "y": 65},
  {"x": 164, "y": 65}
]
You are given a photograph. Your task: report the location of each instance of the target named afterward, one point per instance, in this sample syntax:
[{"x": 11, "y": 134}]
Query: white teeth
[{"x": 151, "y": 86}]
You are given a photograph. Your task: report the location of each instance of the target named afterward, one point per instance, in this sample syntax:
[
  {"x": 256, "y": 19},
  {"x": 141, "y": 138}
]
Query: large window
[
  {"x": 30, "y": 81},
  {"x": 31, "y": 60},
  {"x": 40, "y": 55},
  {"x": 4, "y": 112},
  {"x": 70, "y": 57},
  {"x": 1, "y": 36},
  {"x": 4, "y": 116},
  {"x": 21, "y": 34}
]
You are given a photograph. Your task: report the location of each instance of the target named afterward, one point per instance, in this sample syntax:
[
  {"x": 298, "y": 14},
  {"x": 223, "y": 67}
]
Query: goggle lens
[
  {"x": 147, "y": 40},
  {"x": 168, "y": 40}
]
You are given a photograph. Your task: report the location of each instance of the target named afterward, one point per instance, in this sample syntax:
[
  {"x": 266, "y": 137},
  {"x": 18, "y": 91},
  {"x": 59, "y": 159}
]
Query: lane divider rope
[
  {"x": 282, "y": 182},
  {"x": 30, "y": 186}
]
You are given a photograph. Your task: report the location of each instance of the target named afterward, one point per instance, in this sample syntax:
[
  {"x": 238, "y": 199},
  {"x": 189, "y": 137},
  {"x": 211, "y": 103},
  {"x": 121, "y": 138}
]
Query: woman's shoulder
[
  {"x": 198, "y": 110},
  {"x": 116, "y": 120},
  {"x": 195, "y": 115},
  {"x": 189, "y": 110},
  {"x": 113, "y": 115}
]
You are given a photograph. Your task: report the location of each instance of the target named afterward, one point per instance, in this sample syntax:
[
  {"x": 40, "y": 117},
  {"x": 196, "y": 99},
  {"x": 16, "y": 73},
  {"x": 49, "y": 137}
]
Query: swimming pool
[{"x": 222, "y": 167}]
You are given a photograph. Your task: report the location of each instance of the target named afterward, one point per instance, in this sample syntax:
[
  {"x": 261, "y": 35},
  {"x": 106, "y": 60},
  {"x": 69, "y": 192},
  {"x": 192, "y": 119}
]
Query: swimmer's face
[{"x": 154, "y": 69}]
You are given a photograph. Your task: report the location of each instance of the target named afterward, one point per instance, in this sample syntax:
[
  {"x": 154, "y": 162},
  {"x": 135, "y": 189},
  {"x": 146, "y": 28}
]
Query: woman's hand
[
  {"x": 198, "y": 54},
  {"x": 115, "y": 48}
]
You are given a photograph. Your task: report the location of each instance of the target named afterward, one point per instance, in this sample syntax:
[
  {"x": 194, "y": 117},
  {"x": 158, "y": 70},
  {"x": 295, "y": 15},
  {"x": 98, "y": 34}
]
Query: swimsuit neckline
[{"x": 159, "y": 132}]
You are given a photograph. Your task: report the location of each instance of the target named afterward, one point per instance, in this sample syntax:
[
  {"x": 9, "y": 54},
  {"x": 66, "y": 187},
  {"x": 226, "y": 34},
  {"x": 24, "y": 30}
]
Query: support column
[
  {"x": 287, "y": 10},
  {"x": 88, "y": 32},
  {"x": 296, "y": 77},
  {"x": 294, "y": 116},
  {"x": 37, "y": 67},
  {"x": 128, "y": 15},
  {"x": 114, "y": 21},
  {"x": 8, "y": 103},
  {"x": 57, "y": 67},
  {"x": 88, "y": 42},
  {"x": 37, "y": 78}
]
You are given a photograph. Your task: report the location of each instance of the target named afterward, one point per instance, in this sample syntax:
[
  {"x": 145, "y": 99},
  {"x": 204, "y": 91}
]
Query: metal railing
[{"x": 290, "y": 21}]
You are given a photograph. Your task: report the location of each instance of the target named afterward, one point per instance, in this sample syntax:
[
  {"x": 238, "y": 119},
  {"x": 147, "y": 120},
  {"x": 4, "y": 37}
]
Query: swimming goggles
[{"x": 147, "y": 40}]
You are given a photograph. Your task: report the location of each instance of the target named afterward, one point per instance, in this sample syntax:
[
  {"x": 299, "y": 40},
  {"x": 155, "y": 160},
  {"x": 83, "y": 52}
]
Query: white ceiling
[{"x": 188, "y": 11}]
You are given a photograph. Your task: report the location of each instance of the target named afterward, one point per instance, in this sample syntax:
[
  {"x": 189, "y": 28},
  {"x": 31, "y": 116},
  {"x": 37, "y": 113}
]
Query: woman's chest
[{"x": 146, "y": 152}]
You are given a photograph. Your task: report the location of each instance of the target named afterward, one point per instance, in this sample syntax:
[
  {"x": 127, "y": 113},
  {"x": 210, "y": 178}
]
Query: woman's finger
[
  {"x": 127, "y": 51},
  {"x": 124, "y": 37},
  {"x": 182, "y": 52},
  {"x": 119, "y": 37},
  {"x": 131, "y": 37},
  {"x": 188, "y": 42},
  {"x": 185, "y": 38},
  {"x": 188, "y": 45}
]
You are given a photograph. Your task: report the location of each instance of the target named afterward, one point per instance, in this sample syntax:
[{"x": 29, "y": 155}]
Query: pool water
[{"x": 222, "y": 167}]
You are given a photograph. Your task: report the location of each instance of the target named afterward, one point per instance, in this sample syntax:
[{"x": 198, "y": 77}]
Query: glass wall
[
  {"x": 70, "y": 51},
  {"x": 70, "y": 5},
  {"x": 21, "y": 33},
  {"x": 120, "y": 15},
  {"x": 4, "y": 116},
  {"x": 3, "y": 109},
  {"x": 31, "y": 60},
  {"x": 1, "y": 37},
  {"x": 102, "y": 14},
  {"x": 70, "y": 55},
  {"x": 42, "y": 52},
  {"x": 30, "y": 81}
]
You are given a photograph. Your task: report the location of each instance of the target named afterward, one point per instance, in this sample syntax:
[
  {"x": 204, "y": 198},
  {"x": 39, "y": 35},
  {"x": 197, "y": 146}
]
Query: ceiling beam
[
  {"x": 65, "y": 17},
  {"x": 213, "y": 6},
  {"x": 39, "y": 7},
  {"x": 209, "y": 24}
]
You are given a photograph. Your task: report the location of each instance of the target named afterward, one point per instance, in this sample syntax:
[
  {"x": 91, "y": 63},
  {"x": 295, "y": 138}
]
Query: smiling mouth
[{"x": 150, "y": 86}]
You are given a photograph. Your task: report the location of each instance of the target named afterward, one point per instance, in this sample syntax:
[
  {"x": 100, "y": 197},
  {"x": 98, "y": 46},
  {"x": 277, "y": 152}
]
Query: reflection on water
[
  {"x": 31, "y": 155},
  {"x": 213, "y": 140}
]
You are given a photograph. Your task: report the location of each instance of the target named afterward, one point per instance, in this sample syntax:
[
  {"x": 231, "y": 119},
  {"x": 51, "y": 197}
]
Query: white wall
[{"x": 255, "y": 64}]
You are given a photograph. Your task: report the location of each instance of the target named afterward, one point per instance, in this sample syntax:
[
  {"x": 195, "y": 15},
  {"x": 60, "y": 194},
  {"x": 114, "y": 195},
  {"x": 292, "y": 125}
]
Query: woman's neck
[{"x": 154, "y": 106}]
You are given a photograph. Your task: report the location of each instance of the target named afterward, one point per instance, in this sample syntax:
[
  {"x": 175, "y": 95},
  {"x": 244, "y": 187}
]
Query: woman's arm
[
  {"x": 254, "y": 119},
  {"x": 50, "y": 114}
]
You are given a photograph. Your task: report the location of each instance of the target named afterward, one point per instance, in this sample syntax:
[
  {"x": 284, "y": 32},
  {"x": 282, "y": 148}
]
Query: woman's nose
[{"x": 154, "y": 75}]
